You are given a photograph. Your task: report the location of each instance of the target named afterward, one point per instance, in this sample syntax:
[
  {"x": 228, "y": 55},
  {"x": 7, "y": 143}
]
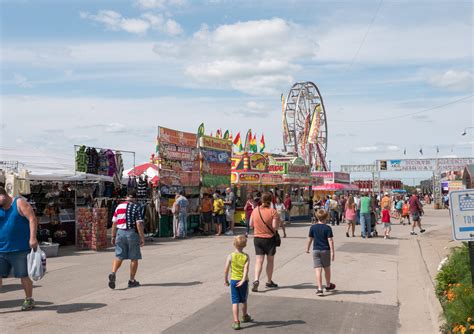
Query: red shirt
[{"x": 385, "y": 216}]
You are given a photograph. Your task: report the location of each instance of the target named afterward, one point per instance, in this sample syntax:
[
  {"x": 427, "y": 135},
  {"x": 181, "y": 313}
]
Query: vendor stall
[{"x": 179, "y": 171}]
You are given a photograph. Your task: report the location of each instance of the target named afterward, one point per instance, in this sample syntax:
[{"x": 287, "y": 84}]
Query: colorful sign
[
  {"x": 258, "y": 162},
  {"x": 175, "y": 152},
  {"x": 215, "y": 168},
  {"x": 251, "y": 178},
  {"x": 170, "y": 136},
  {"x": 333, "y": 177},
  {"x": 216, "y": 156},
  {"x": 234, "y": 177},
  {"x": 278, "y": 168},
  {"x": 438, "y": 165},
  {"x": 215, "y": 143},
  {"x": 209, "y": 180}
]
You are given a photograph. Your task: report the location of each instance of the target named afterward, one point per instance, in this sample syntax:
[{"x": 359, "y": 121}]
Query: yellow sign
[{"x": 258, "y": 162}]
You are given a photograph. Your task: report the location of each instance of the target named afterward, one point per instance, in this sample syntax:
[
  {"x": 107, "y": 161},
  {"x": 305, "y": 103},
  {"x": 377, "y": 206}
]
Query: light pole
[
  {"x": 329, "y": 165},
  {"x": 465, "y": 130}
]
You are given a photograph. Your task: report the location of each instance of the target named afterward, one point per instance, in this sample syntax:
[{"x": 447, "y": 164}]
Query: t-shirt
[
  {"x": 268, "y": 214},
  {"x": 320, "y": 234},
  {"x": 218, "y": 206},
  {"x": 230, "y": 197},
  {"x": 385, "y": 216},
  {"x": 415, "y": 205},
  {"x": 386, "y": 203},
  {"x": 183, "y": 204},
  {"x": 365, "y": 204},
  {"x": 399, "y": 205},
  {"x": 206, "y": 205},
  {"x": 126, "y": 216},
  {"x": 357, "y": 202}
]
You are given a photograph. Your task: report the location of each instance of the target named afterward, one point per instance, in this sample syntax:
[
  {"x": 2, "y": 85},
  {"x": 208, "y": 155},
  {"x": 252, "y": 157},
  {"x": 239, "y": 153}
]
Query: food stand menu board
[{"x": 216, "y": 162}]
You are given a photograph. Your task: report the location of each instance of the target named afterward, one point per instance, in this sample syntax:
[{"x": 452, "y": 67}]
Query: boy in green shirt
[
  {"x": 365, "y": 208},
  {"x": 238, "y": 263}
]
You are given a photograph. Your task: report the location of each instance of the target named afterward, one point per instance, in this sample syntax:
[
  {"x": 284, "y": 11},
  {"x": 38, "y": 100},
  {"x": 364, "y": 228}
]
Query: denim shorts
[
  {"x": 17, "y": 261},
  {"x": 127, "y": 245},
  {"x": 239, "y": 294}
]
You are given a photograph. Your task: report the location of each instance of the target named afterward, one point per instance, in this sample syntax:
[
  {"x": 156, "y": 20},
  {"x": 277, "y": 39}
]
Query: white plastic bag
[{"x": 36, "y": 264}]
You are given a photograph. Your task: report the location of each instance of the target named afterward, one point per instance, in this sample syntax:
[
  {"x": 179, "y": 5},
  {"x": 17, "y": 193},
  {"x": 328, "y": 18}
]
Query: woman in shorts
[{"x": 265, "y": 222}]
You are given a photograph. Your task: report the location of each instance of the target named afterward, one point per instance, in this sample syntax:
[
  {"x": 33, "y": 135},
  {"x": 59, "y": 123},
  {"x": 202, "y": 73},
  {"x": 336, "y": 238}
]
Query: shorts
[
  {"x": 400, "y": 211},
  {"x": 264, "y": 246},
  {"x": 16, "y": 260},
  {"x": 207, "y": 217},
  {"x": 321, "y": 258},
  {"x": 229, "y": 214},
  {"x": 127, "y": 245},
  {"x": 239, "y": 294},
  {"x": 387, "y": 226},
  {"x": 219, "y": 219},
  {"x": 416, "y": 217}
]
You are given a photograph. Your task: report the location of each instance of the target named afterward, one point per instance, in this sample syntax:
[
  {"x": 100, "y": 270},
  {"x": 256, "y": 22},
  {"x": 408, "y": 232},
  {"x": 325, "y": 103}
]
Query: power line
[
  {"x": 365, "y": 36},
  {"x": 410, "y": 114}
]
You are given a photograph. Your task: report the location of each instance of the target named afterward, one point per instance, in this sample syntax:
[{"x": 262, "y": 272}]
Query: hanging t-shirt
[{"x": 81, "y": 160}]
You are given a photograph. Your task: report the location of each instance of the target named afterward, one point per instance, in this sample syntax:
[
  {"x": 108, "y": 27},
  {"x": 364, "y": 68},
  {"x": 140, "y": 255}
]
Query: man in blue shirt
[{"x": 18, "y": 226}]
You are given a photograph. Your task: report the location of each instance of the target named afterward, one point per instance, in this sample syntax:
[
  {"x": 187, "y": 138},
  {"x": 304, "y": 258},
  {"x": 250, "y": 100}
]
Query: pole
[{"x": 471, "y": 256}]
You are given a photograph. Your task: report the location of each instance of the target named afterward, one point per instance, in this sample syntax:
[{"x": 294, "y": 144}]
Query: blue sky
[{"x": 105, "y": 73}]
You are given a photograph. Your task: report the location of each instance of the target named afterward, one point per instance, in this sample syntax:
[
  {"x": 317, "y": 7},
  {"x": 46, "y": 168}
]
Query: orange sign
[{"x": 179, "y": 138}]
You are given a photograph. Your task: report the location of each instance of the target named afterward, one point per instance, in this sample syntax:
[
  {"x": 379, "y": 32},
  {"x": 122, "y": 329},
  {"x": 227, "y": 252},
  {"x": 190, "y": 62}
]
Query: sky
[{"x": 395, "y": 75}]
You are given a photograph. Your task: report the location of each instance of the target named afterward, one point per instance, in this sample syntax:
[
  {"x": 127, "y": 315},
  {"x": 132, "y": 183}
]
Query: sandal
[{"x": 255, "y": 286}]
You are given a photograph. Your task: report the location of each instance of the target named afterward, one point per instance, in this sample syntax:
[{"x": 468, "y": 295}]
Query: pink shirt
[{"x": 350, "y": 214}]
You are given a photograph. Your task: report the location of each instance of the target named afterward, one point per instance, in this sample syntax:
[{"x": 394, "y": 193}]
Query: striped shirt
[{"x": 127, "y": 215}]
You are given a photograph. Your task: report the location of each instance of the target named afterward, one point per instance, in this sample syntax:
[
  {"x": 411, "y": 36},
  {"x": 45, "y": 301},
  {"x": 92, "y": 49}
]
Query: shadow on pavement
[
  {"x": 174, "y": 284},
  {"x": 353, "y": 292},
  {"x": 13, "y": 287},
  {"x": 275, "y": 324},
  {"x": 48, "y": 306}
]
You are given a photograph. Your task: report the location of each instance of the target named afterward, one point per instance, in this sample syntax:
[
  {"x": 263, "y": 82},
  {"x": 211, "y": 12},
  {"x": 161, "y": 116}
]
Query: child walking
[
  {"x": 320, "y": 235},
  {"x": 238, "y": 264},
  {"x": 387, "y": 226}
]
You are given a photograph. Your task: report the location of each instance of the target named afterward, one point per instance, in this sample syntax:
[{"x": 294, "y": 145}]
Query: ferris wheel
[{"x": 305, "y": 129}]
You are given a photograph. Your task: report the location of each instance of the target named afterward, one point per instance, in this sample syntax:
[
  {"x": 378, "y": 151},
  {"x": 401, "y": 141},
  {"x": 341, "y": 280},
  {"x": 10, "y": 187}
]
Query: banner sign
[
  {"x": 358, "y": 168},
  {"x": 176, "y": 137},
  {"x": 172, "y": 178},
  {"x": 296, "y": 169},
  {"x": 215, "y": 168},
  {"x": 249, "y": 178},
  {"x": 439, "y": 165},
  {"x": 342, "y": 177},
  {"x": 333, "y": 177},
  {"x": 216, "y": 156},
  {"x": 175, "y": 152},
  {"x": 215, "y": 143},
  {"x": 179, "y": 166},
  {"x": 315, "y": 124}
]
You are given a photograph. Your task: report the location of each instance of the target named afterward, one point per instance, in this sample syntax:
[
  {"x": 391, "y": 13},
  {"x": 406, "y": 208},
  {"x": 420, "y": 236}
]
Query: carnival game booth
[
  {"x": 179, "y": 171},
  {"x": 334, "y": 183},
  {"x": 296, "y": 180}
]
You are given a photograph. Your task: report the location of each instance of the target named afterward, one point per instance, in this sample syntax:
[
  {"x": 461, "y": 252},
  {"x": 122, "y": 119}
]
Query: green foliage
[{"x": 454, "y": 289}]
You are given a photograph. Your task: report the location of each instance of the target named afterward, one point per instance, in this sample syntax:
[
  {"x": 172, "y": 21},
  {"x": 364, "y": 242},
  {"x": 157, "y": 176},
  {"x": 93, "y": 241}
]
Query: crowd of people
[{"x": 266, "y": 214}]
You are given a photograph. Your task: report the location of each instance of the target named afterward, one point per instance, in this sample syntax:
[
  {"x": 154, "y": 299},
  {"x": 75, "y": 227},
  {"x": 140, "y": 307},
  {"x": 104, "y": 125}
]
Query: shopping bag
[{"x": 36, "y": 264}]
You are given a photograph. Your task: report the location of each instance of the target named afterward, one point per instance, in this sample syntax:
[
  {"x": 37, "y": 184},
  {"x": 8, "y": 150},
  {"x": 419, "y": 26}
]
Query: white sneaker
[{"x": 229, "y": 233}]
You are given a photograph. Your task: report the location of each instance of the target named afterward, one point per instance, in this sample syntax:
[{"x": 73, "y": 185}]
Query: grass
[{"x": 454, "y": 289}]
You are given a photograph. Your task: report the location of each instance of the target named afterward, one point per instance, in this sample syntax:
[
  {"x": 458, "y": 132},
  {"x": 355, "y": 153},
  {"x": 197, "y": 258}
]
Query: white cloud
[
  {"x": 21, "y": 81},
  {"x": 113, "y": 20},
  {"x": 159, "y": 4},
  {"x": 115, "y": 128},
  {"x": 452, "y": 80},
  {"x": 376, "y": 149}
]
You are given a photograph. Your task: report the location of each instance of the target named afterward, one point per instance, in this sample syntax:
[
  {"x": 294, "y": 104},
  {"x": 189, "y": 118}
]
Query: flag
[
  {"x": 437, "y": 149},
  {"x": 238, "y": 142},
  {"x": 262, "y": 144},
  {"x": 248, "y": 141},
  {"x": 421, "y": 151},
  {"x": 218, "y": 133},
  {"x": 405, "y": 151},
  {"x": 226, "y": 134},
  {"x": 200, "y": 130},
  {"x": 211, "y": 134},
  {"x": 253, "y": 144},
  {"x": 231, "y": 137}
]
